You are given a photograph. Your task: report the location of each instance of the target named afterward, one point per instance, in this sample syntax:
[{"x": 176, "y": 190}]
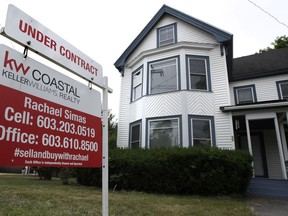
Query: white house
[{"x": 180, "y": 87}]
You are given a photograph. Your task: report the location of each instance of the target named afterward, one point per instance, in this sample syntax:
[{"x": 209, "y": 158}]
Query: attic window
[{"x": 166, "y": 35}]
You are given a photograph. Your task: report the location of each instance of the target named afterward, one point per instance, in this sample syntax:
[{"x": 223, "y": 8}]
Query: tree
[
  {"x": 279, "y": 42},
  {"x": 112, "y": 130}
]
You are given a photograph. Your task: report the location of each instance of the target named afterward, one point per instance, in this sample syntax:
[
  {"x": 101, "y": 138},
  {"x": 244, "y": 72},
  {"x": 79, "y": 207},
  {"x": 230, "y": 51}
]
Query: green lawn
[{"x": 27, "y": 195}]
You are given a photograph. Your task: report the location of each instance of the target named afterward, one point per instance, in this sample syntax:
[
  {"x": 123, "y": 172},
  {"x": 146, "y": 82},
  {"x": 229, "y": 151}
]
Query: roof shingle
[{"x": 264, "y": 64}]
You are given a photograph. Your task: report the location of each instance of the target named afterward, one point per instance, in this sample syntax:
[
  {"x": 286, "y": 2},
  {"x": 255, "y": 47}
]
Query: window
[
  {"x": 282, "y": 87},
  {"x": 163, "y": 76},
  {"x": 135, "y": 135},
  {"x": 245, "y": 94},
  {"x": 198, "y": 72},
  {"x": 286, "y": 138},
  {"x": 164, "y": 133},
  {"x": 166, "y": 35},
  {"x": 136, "y": 84},
  {"x": 201, "y": 130}
]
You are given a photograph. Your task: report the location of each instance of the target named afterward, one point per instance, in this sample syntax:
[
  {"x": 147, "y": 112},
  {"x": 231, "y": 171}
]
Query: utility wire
[{"x": 268, "y": 13}]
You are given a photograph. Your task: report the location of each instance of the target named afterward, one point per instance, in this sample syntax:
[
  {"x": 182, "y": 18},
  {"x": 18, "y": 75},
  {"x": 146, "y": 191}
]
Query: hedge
[{"x": 203, "y": 171}]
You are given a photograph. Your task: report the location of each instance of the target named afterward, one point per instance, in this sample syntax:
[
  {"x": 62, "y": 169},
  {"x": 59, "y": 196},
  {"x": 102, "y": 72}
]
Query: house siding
[
  {"x": 266, "y": 88},
  {"x": 185, "y": 33},
  {"x": 163, "y": 104},
  {"x": 200, "y": 103},
  {"x": 189, "y": 33},
  {"x": 124, "y": 110},
  {"x": 223, "y": 121}
]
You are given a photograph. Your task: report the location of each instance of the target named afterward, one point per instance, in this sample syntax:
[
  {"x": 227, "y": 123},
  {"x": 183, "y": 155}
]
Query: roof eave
[{"x": 220, "y": 36}]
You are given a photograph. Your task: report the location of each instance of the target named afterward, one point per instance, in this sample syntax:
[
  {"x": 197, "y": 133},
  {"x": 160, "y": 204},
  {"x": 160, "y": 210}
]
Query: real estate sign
[
  {"x": 27, "y": 31},
  {"x": 47, "y": 118}
]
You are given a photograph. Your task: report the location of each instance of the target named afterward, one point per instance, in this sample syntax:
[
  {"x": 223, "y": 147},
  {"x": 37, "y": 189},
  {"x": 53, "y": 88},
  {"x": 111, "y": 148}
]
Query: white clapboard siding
[
  {"x": 163, "y": 104},
  {"x": 185, "y": 33},
  {"x": 200, "y": 103},
  {"x": 189, "y": 33},
  {"x": 124, "y": 109},
  {"x": 266, "y": 88},
  {"x": 220, "y": 88}
]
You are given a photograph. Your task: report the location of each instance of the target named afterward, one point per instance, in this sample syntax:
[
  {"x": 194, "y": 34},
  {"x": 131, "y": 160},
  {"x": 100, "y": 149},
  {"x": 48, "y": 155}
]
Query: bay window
[
  {"x": 163, "y": 76},
  {"x": 198, "y": 73},
  {"x": 201, "y": 130},
  {"x": 136, "y": 91},
  {"x": 164, "y": 133},
  {"x": 135, "y": 135}
]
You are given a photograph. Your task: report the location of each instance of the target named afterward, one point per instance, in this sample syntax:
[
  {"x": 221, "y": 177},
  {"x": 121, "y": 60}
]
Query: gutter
[{"x": 254, "y": 106}]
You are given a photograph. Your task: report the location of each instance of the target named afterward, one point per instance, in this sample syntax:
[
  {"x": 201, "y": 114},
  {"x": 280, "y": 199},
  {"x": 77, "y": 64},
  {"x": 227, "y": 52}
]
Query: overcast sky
[{"x": 104, "y": 29}]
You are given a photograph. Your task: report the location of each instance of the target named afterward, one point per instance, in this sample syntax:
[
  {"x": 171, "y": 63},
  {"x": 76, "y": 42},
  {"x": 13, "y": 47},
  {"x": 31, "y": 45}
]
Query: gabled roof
[
  {"x": 269, "y": 63},
  {"x": 220, "y": 36}
]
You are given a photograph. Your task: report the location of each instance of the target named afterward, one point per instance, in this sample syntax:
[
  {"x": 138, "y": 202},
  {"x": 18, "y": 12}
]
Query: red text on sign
[{"x": 36, "y": 34}]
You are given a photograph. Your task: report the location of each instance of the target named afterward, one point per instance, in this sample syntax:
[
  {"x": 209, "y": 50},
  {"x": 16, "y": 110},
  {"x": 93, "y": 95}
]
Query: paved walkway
[{"x": 269, "y": 206}]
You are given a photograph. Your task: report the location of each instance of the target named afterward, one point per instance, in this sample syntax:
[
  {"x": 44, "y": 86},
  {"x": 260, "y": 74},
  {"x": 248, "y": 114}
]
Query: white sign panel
[
  {"x": 32, "y": 77},
  {"x": 29, "y": 32}
]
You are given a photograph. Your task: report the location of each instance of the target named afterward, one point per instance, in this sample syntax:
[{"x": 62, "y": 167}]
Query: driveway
[{"x": 268, "y": 206}]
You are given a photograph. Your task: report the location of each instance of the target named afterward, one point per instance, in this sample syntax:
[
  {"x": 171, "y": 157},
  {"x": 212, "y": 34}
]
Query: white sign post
[
  {"x": 105, "y": 165},
  {"x": 31, "y": 34}
]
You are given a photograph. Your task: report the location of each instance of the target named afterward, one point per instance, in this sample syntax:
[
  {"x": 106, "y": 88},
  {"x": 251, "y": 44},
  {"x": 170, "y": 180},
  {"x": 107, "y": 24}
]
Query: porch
[
  {"x": 264, "y": 136},
  {"x": 271, "y": 188}
]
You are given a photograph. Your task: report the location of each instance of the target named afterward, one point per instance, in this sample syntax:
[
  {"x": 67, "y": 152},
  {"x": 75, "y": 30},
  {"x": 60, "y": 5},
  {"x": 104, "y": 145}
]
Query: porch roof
[{"x": 255, "y": 106}]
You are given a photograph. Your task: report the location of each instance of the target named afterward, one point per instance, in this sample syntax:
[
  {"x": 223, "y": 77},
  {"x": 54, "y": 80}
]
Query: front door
[
  {"x": 259, "y": 156},
  {"x": 258, "y": 151}
]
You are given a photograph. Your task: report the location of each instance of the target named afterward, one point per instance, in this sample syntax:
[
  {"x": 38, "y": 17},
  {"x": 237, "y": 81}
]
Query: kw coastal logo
[
  {"x": 13, "y": 62},
  {"x": 38, "y": 79}
]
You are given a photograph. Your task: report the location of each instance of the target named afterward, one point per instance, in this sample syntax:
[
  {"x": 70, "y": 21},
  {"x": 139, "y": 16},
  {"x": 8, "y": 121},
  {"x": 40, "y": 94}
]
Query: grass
[{"x": 27, "y": 195}]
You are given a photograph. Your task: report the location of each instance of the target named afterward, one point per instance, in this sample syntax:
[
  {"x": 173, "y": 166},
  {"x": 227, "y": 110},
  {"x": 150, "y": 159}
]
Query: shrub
[
  {"x": 45, "y": 173},
  {"x": 65, "y": 174},
  {"x": 204, "y": 171},
  {"x": 88, "y": 176}
]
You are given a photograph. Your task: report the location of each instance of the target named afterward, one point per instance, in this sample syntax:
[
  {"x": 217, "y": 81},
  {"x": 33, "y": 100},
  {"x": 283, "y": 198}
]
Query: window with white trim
[
  {"x": 136, "y": 84},
  {"x": 201, "y": 130},
  {"x": 164, "y": 133},
  {"x": 163, "y": 76},
  {"x": 198, "y": 72},
  {"x": 166, "y": 35},
  {"x": 282, "y": 87},
  {"x": 245, "y": 94},
  {"x": 135, "y": 135}
]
